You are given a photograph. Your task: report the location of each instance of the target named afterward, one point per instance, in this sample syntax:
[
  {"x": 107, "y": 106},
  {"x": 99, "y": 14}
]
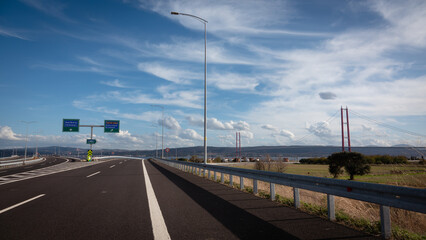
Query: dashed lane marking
[
  {"x": 21, "y": 203},
  {"x": 93, "y": 174},
  {"x": 62, "y": 167}
]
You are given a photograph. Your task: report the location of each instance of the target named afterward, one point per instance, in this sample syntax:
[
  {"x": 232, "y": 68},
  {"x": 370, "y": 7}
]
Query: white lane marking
[
  {"x": 112, "y": 166},
  {"x": 159, "y": 227},
  {"x": 21, "y": 203},
  {"x": 91, "y": 175},
  {"x": 120, "y": 162}
]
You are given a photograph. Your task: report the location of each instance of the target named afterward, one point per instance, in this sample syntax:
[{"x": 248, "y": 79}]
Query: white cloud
[
  {"x": 215, "y": 124},
  {"x": 114, "y": 83},
  {"x": 246, "y": 135},
  {"x": 320, "y": 129},
  {"x": 11, "y": 33},
  {"x": 52, "y": 8},
  {"x": 7, "y": 133},
  {"x": 190, "y": 134},
  {"x": 286, "y": 133},
  {"x": 278, "y": 132},
  {"x": 168, "y": 72},
  {"x": 407, "y": 20},
  {"x": 170, "y": 96},
  {"x": 231, "y": 17},
  {"x": 233, "y": 81},
  {"x": 269, "y": 127},
  {"x": 124, "y": 138},
  {"x": 89, "y": 60},
  {"x": 170, "y": 123}
]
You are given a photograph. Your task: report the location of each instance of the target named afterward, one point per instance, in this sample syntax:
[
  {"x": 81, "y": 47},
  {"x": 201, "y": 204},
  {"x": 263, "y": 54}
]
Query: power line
[
  {"x": 328, "y": 121},
  {"x": 387, "y": 125}
]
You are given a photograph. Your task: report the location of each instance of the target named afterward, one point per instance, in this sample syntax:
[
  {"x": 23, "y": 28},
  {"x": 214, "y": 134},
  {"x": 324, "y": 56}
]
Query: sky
[{"x": 278, "y": 72}]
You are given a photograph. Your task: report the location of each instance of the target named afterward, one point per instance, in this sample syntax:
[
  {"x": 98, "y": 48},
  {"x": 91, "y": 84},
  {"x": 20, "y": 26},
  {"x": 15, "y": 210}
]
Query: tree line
[{"x": 374, "y": 159}]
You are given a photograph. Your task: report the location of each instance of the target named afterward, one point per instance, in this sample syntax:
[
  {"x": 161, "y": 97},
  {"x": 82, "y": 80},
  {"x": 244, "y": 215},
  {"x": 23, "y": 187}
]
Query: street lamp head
[{"x": 174, "y": 13}]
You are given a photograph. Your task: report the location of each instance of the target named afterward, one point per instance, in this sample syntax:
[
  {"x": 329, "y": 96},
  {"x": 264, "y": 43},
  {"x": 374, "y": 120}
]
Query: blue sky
[{"x": 277, "y": 71}]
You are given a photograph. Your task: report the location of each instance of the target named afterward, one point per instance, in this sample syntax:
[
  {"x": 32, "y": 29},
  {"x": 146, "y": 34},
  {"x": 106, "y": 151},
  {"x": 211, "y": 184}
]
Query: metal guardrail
[
  {"x": 385, "y": 195},
  {"x": 20, "y": 162}
]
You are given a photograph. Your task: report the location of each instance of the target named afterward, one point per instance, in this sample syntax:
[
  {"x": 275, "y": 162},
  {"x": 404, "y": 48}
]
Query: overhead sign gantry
[{"x": 73, "y": 125}]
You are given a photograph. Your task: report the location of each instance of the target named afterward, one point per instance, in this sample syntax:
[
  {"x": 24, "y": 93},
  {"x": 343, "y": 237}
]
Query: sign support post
[
  {"x": 91, "y": 132},
  {"x": 73, "y": 125}
]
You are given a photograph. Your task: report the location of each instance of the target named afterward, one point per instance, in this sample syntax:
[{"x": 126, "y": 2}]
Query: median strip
[
  {"x": 159, "y": 227},
  {"x": 93, "y": 174},
  {"x": 21, "y": 203}
]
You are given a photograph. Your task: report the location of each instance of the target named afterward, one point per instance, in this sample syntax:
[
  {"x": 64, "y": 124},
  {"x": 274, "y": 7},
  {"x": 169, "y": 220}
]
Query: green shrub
[{"x": 353, "y": 162}]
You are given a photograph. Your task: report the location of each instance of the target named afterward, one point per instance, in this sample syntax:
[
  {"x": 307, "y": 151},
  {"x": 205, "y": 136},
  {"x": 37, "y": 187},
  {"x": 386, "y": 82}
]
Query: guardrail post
[
  {"x": 296, "y": 197},
  {"x": 215, "y": 176},
  {"x": 272, "y": 192},
  {"x": 222, "y": 178},
  {"x": 331, "y": 208},
  {"x": 255, "y": 191},
  {"x": 231, "y": 182},
  {"x": 209, "y": 174},
  {"x": 241, "y": 183},
  {"x": 385, "y": 222}
]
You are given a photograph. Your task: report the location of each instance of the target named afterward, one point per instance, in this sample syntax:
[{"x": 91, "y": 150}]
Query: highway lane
[
  {"x": 110, "y": 201},
  {"x": 50, "y": 161},
  {"x": 109, "y": 205}
]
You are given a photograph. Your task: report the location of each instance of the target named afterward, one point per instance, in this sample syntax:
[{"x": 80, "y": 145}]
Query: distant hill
[
  {"x": 258, "y": 151},
  {"x": 402, "y": 145}
]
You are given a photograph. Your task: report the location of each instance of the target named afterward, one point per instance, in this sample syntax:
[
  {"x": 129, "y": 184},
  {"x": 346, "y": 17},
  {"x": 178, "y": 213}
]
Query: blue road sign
[
  {"x": 70, "y": 125},
  {"x": 112, "y": 126}
]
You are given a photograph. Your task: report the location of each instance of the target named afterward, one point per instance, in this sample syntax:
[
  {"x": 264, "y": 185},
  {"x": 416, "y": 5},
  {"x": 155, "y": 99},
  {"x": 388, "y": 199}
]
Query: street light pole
[
  {"x": 205, "y": 77},
  {"x": 37, "y": 132},
  {"x": 26, "y": 138},
  {"x": 162, "y": 129}
]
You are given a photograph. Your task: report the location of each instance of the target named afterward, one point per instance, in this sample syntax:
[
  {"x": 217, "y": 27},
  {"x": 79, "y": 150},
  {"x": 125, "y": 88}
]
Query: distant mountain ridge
[{"x": 256, "y": 151}]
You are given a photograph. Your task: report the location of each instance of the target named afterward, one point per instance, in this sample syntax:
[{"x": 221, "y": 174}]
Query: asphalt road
[
  {"x": 113, "y": 200},
  {"x": 50, "y": 161}
]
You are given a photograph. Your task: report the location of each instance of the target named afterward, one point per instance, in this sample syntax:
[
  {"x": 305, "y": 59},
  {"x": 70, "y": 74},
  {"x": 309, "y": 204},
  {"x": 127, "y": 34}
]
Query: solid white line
[
  {"x": 21, "y": 203},
  {"x": 112, "y": 166},
  {"x": 159, "y": 227},
  {"x": 91, "y": 175}
]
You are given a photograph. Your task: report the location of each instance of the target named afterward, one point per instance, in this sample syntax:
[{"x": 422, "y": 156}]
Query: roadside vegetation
[{"x": 353, "y": 213}]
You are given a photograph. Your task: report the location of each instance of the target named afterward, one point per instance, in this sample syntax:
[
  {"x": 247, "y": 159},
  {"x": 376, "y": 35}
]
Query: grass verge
[{"x": 359, "y": 224}]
